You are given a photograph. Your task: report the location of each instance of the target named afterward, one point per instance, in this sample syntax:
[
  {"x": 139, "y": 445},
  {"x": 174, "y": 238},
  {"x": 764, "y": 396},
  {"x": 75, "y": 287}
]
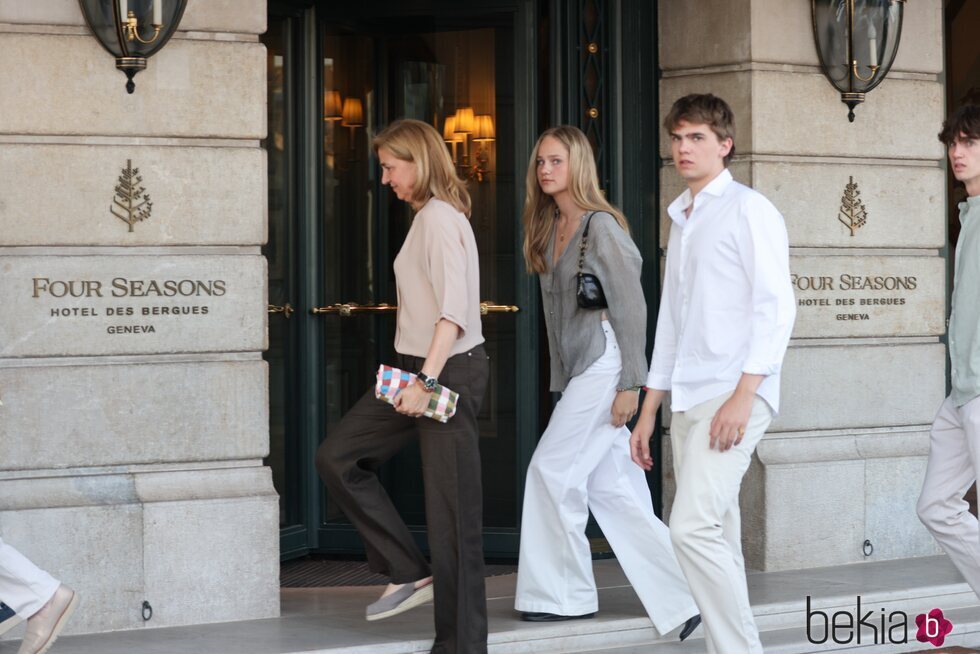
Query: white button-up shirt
[{"x": 727, "y": 306}]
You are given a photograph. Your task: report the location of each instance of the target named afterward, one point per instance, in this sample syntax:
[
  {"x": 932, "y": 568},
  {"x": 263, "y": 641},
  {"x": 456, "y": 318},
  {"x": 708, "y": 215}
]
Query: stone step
[
  {"x": 782, "y": 625},
  {"x": 966, "y": 633},
  {"x": 330, "y": 620}
]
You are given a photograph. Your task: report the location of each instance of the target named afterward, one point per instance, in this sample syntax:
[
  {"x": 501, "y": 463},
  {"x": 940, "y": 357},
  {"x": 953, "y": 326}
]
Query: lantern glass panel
[
  {"x": 102, "y": 21},
  {"x": 101, "y": 15},
  {"x": 830, "y": 29},
  {"x": 877, "y": 27}
]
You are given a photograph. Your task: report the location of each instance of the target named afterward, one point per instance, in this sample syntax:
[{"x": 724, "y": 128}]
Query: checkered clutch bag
[{"x": 442, "y": 401}]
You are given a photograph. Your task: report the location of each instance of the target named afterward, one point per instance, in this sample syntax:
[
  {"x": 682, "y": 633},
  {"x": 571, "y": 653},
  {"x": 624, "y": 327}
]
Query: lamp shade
[
  {"x": 353, "y": 113},
  {"x": 857, "y": 41},
  {"x": 449, "y": 129},
  {"x": 464, "y": 120},
  {"x": 484, "y": 128},
  {"x": 332, "y": 106},
  {"x": 132, "y": 40}
]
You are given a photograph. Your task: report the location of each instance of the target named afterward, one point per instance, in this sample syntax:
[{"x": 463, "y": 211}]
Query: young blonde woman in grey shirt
[{"x": 598, "y": 363}]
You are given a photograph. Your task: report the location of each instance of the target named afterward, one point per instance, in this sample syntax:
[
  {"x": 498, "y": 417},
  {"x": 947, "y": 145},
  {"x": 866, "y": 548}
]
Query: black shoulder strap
[
  {"x": 581, "y": 249},
  {"x": 585, "y": 233}
]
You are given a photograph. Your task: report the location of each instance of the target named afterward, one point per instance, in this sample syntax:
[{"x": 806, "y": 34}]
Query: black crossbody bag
[{"x": 589, "y": 291}]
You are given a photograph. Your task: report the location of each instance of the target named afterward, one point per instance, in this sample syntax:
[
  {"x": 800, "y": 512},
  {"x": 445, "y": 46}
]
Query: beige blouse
[{"x": 437, "y": 273}]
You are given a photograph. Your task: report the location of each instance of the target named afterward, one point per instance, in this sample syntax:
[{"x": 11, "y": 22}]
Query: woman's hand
[
  {"x": 624, "y": 407},
  {"x": 412, "y": 400}
]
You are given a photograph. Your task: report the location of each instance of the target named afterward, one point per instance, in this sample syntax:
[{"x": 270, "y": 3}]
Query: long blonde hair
[
  {"x": 583, "y": 184},
  {"x": 435, "y": 175}
]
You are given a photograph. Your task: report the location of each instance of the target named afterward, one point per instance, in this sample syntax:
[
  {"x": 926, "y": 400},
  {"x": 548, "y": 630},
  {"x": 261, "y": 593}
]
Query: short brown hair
[
  {"x": 965, "y": 120},
  {"x": 705, "y": 109}
]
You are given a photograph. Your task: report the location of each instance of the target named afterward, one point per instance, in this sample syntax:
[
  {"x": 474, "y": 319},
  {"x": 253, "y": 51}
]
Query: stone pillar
[
  {"x": 135, "y": 413},
  {"x": 865, "y": 372}
]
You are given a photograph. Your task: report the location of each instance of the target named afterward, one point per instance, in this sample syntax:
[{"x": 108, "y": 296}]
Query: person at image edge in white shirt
[{"x": 725, "y": 320}]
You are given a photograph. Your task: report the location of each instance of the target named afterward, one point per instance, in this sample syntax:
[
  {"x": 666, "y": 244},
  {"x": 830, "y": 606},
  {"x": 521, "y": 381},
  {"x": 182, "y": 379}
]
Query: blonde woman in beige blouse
[{"x": 438, "y": 336}]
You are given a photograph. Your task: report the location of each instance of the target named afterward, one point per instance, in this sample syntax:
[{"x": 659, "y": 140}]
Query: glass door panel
[{"x": 463, "y": 77}]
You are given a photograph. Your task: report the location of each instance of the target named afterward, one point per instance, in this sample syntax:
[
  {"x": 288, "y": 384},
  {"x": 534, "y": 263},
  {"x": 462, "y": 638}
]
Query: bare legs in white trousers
[
  {"x": 583, "y": 462},
  {"x": 954, "y": 459},
  {"x": 705, "y": 523}
]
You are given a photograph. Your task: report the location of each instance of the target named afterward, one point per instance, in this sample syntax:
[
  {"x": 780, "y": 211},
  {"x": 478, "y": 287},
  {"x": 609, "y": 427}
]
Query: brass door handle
[
  {"x": 286, "y": 309},
  {"x": 347, "y": 309},
  {"x": 488, "y": 306}
]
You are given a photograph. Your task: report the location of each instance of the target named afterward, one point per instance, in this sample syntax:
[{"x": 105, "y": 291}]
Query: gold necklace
[
  {"x": 559, "y": 227},
  {"x": 562, "y": 233}
]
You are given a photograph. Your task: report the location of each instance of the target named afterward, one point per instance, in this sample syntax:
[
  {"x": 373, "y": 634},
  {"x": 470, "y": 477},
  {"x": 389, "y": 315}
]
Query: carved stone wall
[
  {"x": 865, "y": 372},
  {"x": 135, "y": 398}
]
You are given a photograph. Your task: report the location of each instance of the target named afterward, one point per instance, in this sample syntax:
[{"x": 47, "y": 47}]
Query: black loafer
[
  {"x": 690, "y": 626},
  {"x": 529, "y": 616}
]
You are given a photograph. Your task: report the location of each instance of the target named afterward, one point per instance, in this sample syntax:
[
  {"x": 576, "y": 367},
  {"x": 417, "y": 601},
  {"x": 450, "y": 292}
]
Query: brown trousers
[{"x": 370, "y": 434}]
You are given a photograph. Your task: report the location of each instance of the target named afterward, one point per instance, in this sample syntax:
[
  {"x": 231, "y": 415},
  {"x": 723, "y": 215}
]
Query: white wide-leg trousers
[
  {"x": 954, "y": 460},
  {"x": 24, "y": 587},
  {"x": 582, "y": 462},
  {"x": 706, "y": 526}
]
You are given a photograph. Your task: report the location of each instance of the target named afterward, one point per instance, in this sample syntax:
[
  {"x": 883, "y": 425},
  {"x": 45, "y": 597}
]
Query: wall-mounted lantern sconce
[
  {"x": 462, "y": 126},
  {"x": 465, "y": 120},
  {"x": 449, "y": 135},
  {"x": 332, "y": 106},
  {"x": 484, "y": 135},
  {"x": 484, "y": 132},
  {"x": 857, "y": 41},
  {"x": 352, "y": 117},
  {"x": 132, "y": 30}
]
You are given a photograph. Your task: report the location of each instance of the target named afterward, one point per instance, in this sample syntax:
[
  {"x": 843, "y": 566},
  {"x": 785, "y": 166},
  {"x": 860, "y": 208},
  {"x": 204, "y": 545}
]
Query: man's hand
[
  {"x": 624, "y": 407},
  {"x": 640, "y": 438},
  {"x": 640, "y": 441},
  {"x": 412, "y": 400},
  {"x": 728, "y": 425}
]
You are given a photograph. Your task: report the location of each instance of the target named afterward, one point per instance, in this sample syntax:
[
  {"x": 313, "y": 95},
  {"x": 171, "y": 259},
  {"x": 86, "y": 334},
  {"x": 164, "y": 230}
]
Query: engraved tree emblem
[
  {"x": 852, "y": 212},
  {"x": 132, "y": 199}
]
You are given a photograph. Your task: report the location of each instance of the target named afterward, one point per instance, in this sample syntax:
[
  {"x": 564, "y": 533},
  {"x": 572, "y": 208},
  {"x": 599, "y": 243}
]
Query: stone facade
[
  {"x": 865, "y": 373},
  {"x": 135, "y": 398},
  {"x": 135, "y": 412}
]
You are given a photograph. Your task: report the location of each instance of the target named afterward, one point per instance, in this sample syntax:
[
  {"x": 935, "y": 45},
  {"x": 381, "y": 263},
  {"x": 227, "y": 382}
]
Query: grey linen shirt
[{"x": 575, "y": 335}]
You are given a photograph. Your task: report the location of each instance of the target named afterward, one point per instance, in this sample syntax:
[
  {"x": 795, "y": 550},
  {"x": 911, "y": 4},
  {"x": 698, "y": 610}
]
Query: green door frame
[
  {"x": 295, "y": 538},
  {"x": 637, "y": 165},
  {"x": 629, "y": 167}
]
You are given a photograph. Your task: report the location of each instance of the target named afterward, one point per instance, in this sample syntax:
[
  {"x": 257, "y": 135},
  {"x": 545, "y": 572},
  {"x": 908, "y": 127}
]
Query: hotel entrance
[{"x": 337, "y": 74}]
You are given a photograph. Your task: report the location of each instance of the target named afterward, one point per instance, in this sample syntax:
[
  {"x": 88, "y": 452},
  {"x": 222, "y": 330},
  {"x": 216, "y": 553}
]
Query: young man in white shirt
[{"x": 725, "y": 319}]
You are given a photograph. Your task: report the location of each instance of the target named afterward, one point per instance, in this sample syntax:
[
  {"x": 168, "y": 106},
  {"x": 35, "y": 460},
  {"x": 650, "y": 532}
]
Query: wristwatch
[{"x": 428, "y": 383}]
